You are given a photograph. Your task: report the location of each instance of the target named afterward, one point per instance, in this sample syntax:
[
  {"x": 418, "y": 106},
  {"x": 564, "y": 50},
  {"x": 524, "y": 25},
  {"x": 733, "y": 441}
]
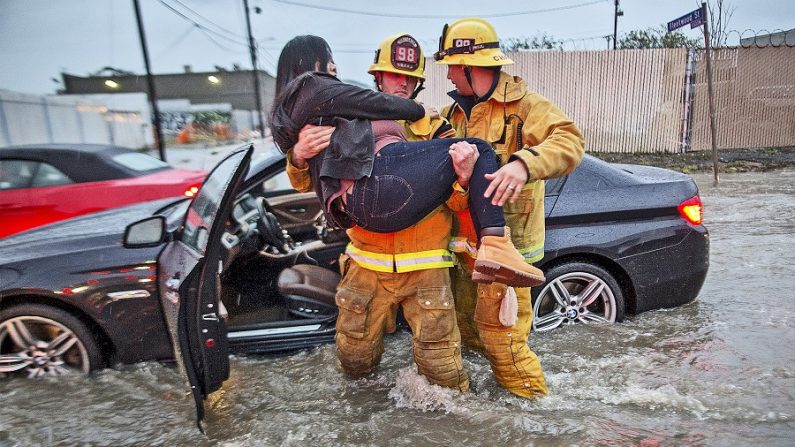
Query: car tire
[
  {"x": 560, "y": 301},
  {"x": 40, "y": 340}
]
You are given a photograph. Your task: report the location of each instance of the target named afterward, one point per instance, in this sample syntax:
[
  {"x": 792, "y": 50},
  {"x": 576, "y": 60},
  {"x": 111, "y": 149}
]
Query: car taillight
[
  {"x": 691, "y": 210},
  {"x": 192, "y": 190}
]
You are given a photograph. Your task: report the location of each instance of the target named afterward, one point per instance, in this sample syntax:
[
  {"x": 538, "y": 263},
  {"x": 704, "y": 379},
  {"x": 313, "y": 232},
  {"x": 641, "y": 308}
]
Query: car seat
[{"x": 309, "y": 291}]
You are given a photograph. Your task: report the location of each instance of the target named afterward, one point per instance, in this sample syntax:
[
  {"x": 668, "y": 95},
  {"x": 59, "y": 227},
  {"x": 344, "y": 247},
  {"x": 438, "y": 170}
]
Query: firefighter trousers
[
  {"x": 368, "y": 302},
  {"x": 515, "y": 366}
]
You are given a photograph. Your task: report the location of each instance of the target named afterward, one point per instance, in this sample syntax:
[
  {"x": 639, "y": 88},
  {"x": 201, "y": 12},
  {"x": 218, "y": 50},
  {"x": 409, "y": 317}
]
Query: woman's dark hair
[{"x": 299, "y": 55}]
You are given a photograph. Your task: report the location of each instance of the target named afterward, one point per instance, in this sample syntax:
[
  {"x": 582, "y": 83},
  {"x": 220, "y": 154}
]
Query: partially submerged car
[{"x": 249, "y": 266}]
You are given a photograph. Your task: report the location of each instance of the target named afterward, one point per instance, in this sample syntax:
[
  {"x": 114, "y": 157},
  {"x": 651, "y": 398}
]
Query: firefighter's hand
[
  {"x": 311, "y": 141},
  {"x": 506, "y": 183},
  {"x": 430, "y": 111},
  {"x": 464, "y": 155}
]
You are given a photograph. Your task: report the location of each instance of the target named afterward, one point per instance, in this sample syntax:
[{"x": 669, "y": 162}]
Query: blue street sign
[{"x": 694, "y": 18}]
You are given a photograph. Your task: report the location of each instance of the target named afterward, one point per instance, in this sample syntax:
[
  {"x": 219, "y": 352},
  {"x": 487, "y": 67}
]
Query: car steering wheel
[{"x": 270, "y": 229}]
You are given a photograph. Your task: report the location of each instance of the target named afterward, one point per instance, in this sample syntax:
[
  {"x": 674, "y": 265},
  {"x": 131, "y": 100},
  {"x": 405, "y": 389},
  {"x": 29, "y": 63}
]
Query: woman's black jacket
[{"x": 322, "y": 99}]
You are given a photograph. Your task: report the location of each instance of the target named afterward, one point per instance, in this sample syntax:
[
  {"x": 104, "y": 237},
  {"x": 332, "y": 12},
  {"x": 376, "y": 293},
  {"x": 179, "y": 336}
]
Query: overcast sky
[{"x": 39, "y": 39}]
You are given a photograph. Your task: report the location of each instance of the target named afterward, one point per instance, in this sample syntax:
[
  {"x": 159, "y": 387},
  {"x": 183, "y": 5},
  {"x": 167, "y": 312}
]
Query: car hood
[{"x": 82, "y": 233}]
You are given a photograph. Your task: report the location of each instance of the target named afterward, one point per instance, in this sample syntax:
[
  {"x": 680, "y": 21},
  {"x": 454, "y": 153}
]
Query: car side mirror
[{"x": 149, "y": 232}]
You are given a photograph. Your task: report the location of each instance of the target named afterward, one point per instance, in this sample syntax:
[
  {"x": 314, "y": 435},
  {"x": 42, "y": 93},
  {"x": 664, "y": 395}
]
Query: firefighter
[
  {"x": 408, "y": 269},
  {"x": 534, "y": 141}
]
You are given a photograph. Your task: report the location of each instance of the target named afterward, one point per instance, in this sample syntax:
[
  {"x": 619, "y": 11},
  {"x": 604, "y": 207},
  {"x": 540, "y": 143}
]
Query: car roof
[{"x": 81, "y": 162}]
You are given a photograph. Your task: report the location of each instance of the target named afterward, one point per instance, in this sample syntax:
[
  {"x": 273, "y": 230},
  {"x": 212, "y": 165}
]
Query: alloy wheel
[
  {"x": 572, "y": 298},
  {"x": 41, "y": 347}
]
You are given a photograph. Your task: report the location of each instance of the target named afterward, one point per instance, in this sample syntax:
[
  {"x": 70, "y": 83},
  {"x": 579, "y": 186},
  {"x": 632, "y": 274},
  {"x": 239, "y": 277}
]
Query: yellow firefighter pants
[
  {"x": 515, "y": 366},
  {"x": 368, "y": 303}
]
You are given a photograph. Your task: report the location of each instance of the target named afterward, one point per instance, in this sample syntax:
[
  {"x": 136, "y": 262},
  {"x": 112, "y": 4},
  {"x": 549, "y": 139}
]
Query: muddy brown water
[{"x": 717, "y": 372}]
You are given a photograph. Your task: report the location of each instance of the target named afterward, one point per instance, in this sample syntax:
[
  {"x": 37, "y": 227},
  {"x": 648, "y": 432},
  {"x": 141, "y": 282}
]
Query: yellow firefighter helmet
[
  {"x": 472, "y": 42},
  {"x": 399, "y": 54}
]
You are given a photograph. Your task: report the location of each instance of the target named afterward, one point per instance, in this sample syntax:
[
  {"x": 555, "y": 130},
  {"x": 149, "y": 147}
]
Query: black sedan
[{"x": 250, "y": 266}]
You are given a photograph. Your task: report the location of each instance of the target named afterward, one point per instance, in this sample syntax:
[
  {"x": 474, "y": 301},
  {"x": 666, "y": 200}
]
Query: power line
[
  {"x": 202, "y": 27},
  {"x": 218, "y": 44},
  {"x": 176, "y": 42},
  {"x": 231, "y": 33},
  {"x": 438, "y": 16},
  {"x": 262, "y": 51}
]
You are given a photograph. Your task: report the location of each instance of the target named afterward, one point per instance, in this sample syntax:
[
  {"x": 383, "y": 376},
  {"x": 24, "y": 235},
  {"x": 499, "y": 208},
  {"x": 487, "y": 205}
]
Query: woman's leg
[
  {"x": 498, "y": 259},
  {"x": 411, "y": 179},
  {"x": 484, "y": 214}
]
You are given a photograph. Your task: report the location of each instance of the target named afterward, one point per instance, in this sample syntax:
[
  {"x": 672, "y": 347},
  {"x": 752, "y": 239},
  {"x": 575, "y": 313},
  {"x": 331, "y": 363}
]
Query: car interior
[{"x": 281, "y": 264}]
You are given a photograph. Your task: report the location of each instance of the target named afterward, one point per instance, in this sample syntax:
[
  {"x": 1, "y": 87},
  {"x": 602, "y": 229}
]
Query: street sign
[{"x": 694, "y": 18}]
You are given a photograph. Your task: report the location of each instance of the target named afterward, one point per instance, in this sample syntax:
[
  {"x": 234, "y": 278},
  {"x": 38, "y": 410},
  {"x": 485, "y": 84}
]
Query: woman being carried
[{"x": 398, "y": 185}]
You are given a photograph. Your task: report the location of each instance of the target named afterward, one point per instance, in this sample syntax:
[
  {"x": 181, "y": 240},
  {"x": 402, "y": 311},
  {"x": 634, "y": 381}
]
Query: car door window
[
  {"x": 49, "y": 175},
  {"x": 16, "y": 174},
  {"x": 277, "y": 185},
  {"x": 203, "y": 210}
]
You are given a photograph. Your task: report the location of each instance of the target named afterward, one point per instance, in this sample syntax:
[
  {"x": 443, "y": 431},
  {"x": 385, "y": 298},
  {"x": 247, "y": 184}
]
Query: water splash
[{"x": 413, "y": 390}]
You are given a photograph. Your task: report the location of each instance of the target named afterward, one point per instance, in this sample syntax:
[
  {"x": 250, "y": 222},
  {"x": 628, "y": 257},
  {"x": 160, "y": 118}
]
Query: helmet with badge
[
  {"x": 471, "y": 42},
  {"x": 399, "y": 54}
]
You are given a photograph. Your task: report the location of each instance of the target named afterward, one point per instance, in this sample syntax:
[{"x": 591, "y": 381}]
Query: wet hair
[{"x": 299, "y": 55}]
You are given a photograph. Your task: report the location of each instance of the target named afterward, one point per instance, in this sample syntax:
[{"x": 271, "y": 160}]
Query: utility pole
[
  {"x": 150, "y": 81},
  {"x": 618, "y": 12},
  {"x": 714, "y": 132},
  {"x": 253, "y": 50}
]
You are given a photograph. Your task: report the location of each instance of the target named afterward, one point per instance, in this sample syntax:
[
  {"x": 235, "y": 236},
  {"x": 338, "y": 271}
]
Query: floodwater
[{"x": 717, "y": 372}]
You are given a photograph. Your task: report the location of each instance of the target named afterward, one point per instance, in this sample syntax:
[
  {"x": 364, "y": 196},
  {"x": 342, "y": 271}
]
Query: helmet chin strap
[
  {"x": 468, "y": 75},
  {"x": 418, "y": 89}
]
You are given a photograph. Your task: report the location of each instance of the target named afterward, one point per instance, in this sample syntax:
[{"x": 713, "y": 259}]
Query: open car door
[{"x": 189, "y": 280}]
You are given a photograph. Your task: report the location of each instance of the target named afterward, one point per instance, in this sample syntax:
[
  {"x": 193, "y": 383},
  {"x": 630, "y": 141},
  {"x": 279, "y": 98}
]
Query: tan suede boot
[{"x": 498, "y": 260}]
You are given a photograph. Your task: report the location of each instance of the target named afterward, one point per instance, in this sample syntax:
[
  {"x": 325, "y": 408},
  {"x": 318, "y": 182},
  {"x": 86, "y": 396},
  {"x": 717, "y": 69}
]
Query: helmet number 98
[{"x": 405, "y": 54}]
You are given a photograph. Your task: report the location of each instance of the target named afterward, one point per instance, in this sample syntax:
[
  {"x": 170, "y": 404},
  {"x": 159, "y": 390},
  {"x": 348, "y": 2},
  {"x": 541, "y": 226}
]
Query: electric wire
[
  {"x": 219, "y": 27},
  {"x": 203, "y": 28},
  {"x": 439, "y": 16},
  {"x": 176, "y": 42}
]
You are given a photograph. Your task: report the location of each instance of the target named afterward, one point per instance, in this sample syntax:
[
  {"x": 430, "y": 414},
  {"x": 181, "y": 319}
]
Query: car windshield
[{"x": 139, "y": 162}]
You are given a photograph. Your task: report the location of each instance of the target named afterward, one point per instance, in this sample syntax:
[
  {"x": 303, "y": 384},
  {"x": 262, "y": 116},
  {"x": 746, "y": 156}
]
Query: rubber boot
[{"x": 499, "y": 261}]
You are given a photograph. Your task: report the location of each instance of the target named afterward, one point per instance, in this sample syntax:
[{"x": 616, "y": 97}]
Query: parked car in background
[
  {"x": 249, "y": 266},
  {"x": 45, "y": 183}
]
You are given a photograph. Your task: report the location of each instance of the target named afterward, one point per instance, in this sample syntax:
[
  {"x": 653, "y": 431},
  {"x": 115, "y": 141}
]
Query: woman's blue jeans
[{"x": 411, "y": 179}]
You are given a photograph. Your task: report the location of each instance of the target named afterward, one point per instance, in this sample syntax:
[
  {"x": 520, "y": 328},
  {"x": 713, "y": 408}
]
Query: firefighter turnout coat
[{"x": 520, "y": 125}]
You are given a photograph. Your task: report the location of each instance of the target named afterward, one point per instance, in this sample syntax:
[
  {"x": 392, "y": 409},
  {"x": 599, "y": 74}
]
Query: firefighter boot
[{"x": 498, "y": 260}]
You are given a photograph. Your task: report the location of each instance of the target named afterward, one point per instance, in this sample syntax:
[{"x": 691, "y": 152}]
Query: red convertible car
[{"x": 40, "y": 184}]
